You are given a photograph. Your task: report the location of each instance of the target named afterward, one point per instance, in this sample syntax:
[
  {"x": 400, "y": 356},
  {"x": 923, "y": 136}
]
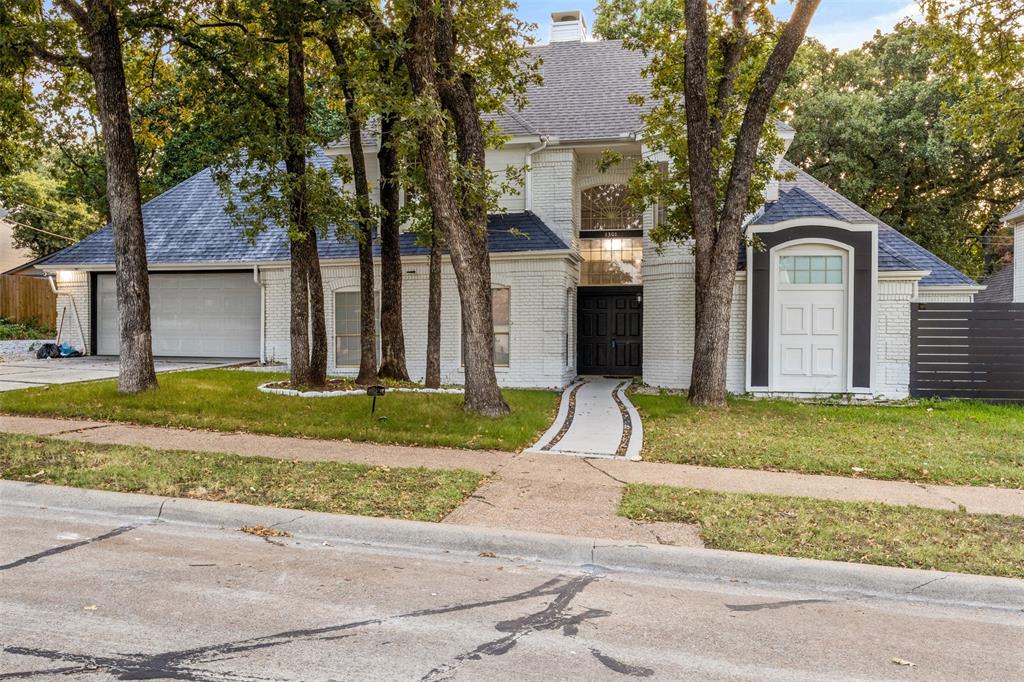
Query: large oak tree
[
  {"x": 712, "y": 116},
  {"x": 84, "y": 40}
]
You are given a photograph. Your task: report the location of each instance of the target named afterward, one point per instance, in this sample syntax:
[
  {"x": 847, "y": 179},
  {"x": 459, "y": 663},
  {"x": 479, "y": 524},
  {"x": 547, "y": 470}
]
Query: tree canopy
[{"x": 878, "y": 124}]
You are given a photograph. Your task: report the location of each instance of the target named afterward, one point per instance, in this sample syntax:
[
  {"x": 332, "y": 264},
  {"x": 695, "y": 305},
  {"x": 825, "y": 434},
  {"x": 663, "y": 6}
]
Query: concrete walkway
[
  {"x": 538, "y": 492},
  {"x": 595, "y": 418}
]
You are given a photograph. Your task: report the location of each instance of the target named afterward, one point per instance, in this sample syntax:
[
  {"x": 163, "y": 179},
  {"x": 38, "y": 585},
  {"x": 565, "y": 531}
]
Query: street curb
[{"x": 836, "y": 578}]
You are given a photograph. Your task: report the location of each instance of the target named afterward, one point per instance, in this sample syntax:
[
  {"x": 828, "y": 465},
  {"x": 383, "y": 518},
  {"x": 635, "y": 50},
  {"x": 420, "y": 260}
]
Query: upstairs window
[{"x": 605, "y": 207}]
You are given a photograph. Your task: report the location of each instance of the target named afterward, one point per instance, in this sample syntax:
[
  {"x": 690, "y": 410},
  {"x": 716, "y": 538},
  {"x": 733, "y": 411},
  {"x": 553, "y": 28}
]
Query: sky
[{"x": 841, "y": 24}]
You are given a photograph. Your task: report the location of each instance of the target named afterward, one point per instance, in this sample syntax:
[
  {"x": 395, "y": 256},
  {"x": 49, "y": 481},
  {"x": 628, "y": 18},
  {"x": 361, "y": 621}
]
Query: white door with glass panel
[{"x": 809, "y": 320}]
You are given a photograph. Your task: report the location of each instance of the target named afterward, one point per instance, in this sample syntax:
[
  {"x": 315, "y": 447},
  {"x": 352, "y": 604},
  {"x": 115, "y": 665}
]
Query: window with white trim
[
  {"x": 811, "y": 269},
  {"x": 501, "y": 310},
  {"x": 347, "y": 350},
  {"x": 501, "y": 315}
]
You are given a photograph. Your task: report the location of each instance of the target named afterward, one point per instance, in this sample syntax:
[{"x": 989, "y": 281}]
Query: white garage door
[
  {"x": 212, "y": 315},
  {"x": 809, "y": 325}
]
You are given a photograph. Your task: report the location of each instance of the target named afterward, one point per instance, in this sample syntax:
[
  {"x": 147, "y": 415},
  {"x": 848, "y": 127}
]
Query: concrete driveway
[{"x": 28, "y": 372}]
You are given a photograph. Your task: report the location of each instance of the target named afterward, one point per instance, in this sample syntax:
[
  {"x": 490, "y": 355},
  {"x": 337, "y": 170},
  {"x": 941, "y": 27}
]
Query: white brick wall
[
  {"x": 1018, "y": 263},
  {"x": 892, "y": 338},
  {"x": 540, "y": 318},
  {"x": 553, "y": 191},
  {"x": 668, "y": 325},
  {"x": 73, "y": 306}
]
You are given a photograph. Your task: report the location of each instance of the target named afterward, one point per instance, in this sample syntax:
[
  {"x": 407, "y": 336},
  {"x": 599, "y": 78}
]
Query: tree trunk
[
  {"x": 433, "y": 376},
  {"x": 299, "y": 319},
  {"x": 712, "y": 316},
  {"x": 367, "y": 310},
  {"x": 717, "y": 233},
  {"x": 131, "y": 271},
  {"x": 460, "y": 220},
  {"x": 308, "y": 355},
  {"x": 367, "y": 304},
  {"x": 392, "y": 336}
]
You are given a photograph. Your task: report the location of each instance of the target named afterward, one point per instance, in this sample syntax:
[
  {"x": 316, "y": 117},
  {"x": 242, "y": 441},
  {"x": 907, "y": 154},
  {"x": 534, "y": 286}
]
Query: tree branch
[{"x": 760, "y": 100}]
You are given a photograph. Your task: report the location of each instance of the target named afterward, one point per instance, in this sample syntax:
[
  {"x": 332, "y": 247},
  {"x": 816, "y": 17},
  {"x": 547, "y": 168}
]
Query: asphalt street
[{"x": 86, "y": 597}]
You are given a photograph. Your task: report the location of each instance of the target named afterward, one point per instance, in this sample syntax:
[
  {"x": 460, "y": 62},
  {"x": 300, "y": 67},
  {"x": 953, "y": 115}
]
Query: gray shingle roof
[
  {"x": 1015, "y": 214},
  {"x": 796, "y": 203},
  {"x": 188, "y": 224},
  {"x": 1000, "y": 287},
  {"x": 585, "y": 93},
  {"x": 802, "y": 195}
]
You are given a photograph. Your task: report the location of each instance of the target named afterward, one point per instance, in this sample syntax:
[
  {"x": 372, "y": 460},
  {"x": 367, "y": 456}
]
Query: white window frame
[
  {"x": 334, "y": 302},
  {"x": 506, "y": 330}
]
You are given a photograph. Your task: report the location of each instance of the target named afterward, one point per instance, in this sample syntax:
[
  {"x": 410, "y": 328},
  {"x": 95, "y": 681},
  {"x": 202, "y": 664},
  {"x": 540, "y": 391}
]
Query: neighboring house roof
[
  {"x": 189, "y": 224},
  {"x": 1016, "y": 214},
  {"x": 1000, "y": 287},
  {"x": 806, "y": 197},
  {"x": 28, "y": 269}
]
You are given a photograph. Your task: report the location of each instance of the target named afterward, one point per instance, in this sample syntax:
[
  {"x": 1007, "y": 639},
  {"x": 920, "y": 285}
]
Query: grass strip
[
  {"x": 402, "y": 493},
  {"x": 943, "y": 442},
  {"x": 860, "y": 532}
]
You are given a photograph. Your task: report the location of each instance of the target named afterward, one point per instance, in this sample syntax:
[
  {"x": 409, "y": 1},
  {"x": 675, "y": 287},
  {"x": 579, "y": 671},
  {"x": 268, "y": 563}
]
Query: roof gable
[
  {"x": 895, "y": 250},
  {"x": 794, "y": 203},
  {"x": 1016, "y": 214}
]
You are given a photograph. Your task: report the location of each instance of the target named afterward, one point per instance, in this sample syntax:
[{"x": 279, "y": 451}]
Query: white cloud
[{"x": 847, "y": 35}]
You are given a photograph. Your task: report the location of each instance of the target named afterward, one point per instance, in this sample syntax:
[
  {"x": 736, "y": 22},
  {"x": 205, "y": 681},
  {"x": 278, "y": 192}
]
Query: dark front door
[{"x": 610, "y": 328}]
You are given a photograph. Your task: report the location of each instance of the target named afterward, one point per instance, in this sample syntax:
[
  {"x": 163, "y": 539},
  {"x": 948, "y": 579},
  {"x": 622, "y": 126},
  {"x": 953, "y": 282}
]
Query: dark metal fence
[{"x": 967, "y": 350}]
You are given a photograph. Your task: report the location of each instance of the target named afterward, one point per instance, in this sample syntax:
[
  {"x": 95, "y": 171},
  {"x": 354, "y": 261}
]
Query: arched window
[{"x": 604, "y": 207}]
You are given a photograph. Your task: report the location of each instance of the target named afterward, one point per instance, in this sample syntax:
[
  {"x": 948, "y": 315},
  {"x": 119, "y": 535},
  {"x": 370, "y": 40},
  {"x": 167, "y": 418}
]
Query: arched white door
[{"x": 809, "y": 322}]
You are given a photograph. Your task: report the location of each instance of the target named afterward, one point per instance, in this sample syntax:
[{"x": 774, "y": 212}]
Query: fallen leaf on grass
[{"x": 264, "y": 532}]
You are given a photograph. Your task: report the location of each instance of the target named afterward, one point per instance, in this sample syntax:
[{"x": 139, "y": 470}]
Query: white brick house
[{"x": 824, "y": 309}]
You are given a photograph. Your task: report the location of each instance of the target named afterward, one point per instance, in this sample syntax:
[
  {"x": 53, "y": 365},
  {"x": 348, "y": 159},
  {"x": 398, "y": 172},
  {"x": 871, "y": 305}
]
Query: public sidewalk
[{"x": 541, "y": 492}]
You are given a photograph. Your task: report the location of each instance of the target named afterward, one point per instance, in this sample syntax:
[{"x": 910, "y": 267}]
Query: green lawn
[
  {"x": 420, "y": 494},
  {"x": 935, "y": 442},
  {"x": 860, "y": 532},
  {"x": 227, "y": 400}
]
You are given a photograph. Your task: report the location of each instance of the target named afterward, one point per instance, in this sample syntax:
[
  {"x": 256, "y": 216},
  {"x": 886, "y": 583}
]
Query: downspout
[
  {"x": 263, "y": 312},
  {"x": 528, "y": 189}
]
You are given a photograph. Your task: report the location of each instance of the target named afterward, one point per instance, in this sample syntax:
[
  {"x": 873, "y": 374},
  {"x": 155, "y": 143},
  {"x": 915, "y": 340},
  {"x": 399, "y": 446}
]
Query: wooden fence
[
  {"x": 967, "y": 350},
  {"x": 28, "y": 299}
]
